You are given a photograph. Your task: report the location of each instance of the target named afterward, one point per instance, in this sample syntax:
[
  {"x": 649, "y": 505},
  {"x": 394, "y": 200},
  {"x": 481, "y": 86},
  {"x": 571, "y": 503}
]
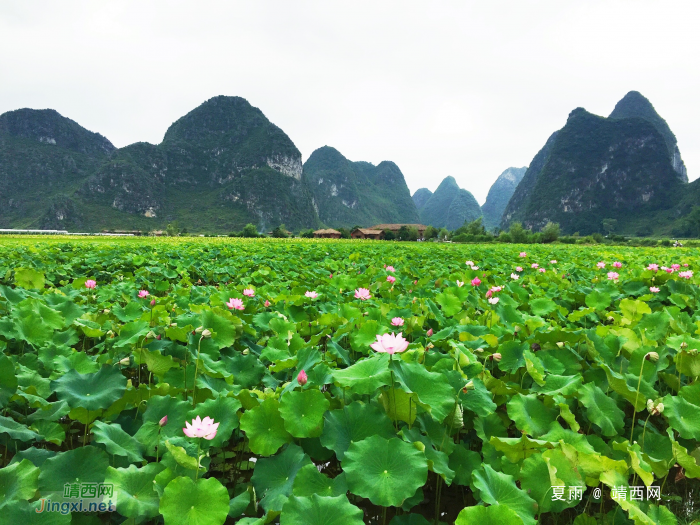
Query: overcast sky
[{"x": 441, "y": 88}]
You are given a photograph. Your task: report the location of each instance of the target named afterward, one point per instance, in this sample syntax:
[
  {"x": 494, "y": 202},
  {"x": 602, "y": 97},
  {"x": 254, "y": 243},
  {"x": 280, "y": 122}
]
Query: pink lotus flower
[
  {"x": 493, "y": 300},
  {"x": 685, "y": 265},
  {"x": 390, "y": 269},
  {"x": 476, "y": 281},
  {"x": 249, "y": 292},
  {"x": 617, "y": 264},
  {"x": 267, "y": 303},
  {"x": 201, "y": 428},
  {"x": 362, "y": 294},
  {"x": 553, "y": 261},
  {"x": 676, "y": 266},
  {"x": 601, "y": 265},
  {"x": 541, "y": 270},
  {"x": 235, "y": 304},
  {"x": 460, "y": 283},
  {"x": 391, "y": 279},
  {"x": 534, "y": 266},
  {"x": 654, "y": 289},
  {"x": 669, "y": 270},
  {"x": 143, "y": 293},
  {"x": 475, "y": 268},
  {"x": 514, "y": 276},
  {"x": 390, "y": 343},
  {"x": 489, "y": 294},
  {"x": 523, "y": 254},
  {"x": 613, "y": 276},
  {"x": 518, "y": 268},
  {"x": 397, "y": 321},
  {"x": 415, "y": 282},
  {"x": 311, "y": 295},
  {"x": 302, "y": 378},
  {"x": 331, "y": 276},
  {"x": 163, "y": 421},
  {"x": 469, "y": 263},
  {"x": 496, "y": 289},
  {"x": 90, "y": 284},
  {"x": 688, "y": 274},
  {"x": 653, "y": 267},
  {"x": 429, "y": 332},
  {"x": 153, "y": 302}
]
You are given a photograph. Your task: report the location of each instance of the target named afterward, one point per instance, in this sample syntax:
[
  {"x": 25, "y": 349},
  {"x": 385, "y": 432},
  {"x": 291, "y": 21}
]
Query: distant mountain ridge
[
  {"x": 625, "y": 167},
  {"x": 449, "y": 207},
  {"x": 350, "y": 193},
  {"x": 499, "y": 194}
]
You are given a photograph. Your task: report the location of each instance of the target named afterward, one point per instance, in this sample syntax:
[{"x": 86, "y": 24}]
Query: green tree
[
  {"x": 307, "y": 234},
  {"x": 430, "y": 233},
  {"x": 609, "y": 225},
  {"x": 518, "y": 234},
  {"x": 249, "y": 230},
  {"x": 344, "y": 233},
  {"x": 443, "y": 234},
  {"x": 172, "y": 229},
  {"x": 389, "y": 235},
  {"x": 280, "y": 232},
  {"x": 693, "y": 221},
  {"x": 407, "y": 233},
  {"x": 550, "y": 232}
]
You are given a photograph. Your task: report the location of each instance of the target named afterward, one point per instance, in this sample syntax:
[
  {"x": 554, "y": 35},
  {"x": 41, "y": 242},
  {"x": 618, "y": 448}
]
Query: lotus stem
[
  {"x": 634, "y": 408},
  {"x": 196, "y": 369},
  {"x": 87, "y": 422},
  {"x": 199, "y": 448}
]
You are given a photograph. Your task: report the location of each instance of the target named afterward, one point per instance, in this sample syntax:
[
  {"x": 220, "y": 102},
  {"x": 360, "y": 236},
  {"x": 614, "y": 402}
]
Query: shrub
[{"x": 550, "y": 232}]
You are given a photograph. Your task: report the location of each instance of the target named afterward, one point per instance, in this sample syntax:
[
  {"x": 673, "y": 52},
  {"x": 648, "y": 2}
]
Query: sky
[{"x": 461, "y": 88}]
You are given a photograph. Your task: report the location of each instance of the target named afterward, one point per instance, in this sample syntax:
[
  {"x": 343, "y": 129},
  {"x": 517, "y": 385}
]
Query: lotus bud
[
  {"x": 429, "y": 346},
  {"x": 206, "y": 333},
  {"x": 267, "y": 303},
  {"x": 655, "y": 407},
  {"x": 429, "y": 333},
  {"x": 560, "y": 344},
  {"x": 163, "y": 421},
  {"x": 517, "y": 329},
  {"x": 125, "y": 361},
  {"x": 173, "y": 325},
  {"x": 468, "y": 386},
  {"x": 694, "y": 351},
  {"x": 199, "y": 329},
  {"x": 652, "y": 356},
  {"x": 151, "y": 335},
  {"x": 479, "y": 350},
  {"x": 158, "y": 337},
  {"x": 684, "y": 345},
  {"x": 153, "y": 302},
  {"x": 245, "y": 351},
  {"x": 302, "y": 379},
  {"x": 110, "y": 334},
  {"x": 496, "y": 357},
  {"x": 611, "y": 318},
  {"x": 105, "y": 311}
]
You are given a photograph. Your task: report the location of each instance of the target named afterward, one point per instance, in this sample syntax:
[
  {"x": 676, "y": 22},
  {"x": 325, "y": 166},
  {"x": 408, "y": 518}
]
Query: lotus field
[{"x": 211, "y": 381}]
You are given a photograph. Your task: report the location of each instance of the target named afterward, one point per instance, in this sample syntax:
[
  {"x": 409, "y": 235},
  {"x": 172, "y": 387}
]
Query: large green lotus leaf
[
  {"x": 159, "y": 406},
  {"x": 320, "y": 510},
  {"x": 517, "y": 449},
  {"x": 639, "y": 512},
  {"x": 489, "y": 426},
  {"x": 496, "y": 488},
  {"x": 8, "y": 380},
  {"x": 91, "y": 391},
  {"x": 464, "y": 461},
  {"x": 29, "y": 278},
  {"x": 590, "y": 466},
  {"x": 399, "y": 405},
  {"x": 51, "y": 432},
  {"x": 247, "y": 370},
  {"x": 237, "y": 505},
  {"x": 223, "y": 411},
  {"x": 685, "y": 460},
  {"x": 134, "y": 490},
  {"x": 264, "y": 428},
  {"x": 530, "y": 415},
  {"x": 479, "y": 400},
  {"x": 621, "y": 385},
  {"x": 18, "y": 481},
  {"x": 309, "y": 481},
  {"x": 655, "y": 325},
  {"x": 542, "y": 306},
  {"x": 598, "y": 300},
  {"x": 556, "y": 384},
  {"x": 535, "y": 480},
  {"x": 116, "y": 441},
  {"x": 36, "y": 455},
  {"x": 493, "y": 515},
  {"x": 366, "y": 376},
  {"x": 688, "y": 364},
  {"x": 512, "y": 356},
  {"x": 450, "y": 304},
  {"x": 353, "y": 423},
  {"x": 81, "y": 465},
  {"x": 130, "y": 333},
  {"x": 386, "y": 471},
  {"x": 273, "y": 477},
  {"x": 409, "y": 519},
  {"x": 303, "y": 412},
  {"x": 432, "y": 388},
  {"x": 186, "y": 502},
  {"x": 26, "y": 513},
  {"x": 222, "y": 327},
  {"x": 602, "y": 409},
  {"x": 633, "y": 310},
  {"x": 17, "y": 430},
  {"x": 682, "y": 416}
]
